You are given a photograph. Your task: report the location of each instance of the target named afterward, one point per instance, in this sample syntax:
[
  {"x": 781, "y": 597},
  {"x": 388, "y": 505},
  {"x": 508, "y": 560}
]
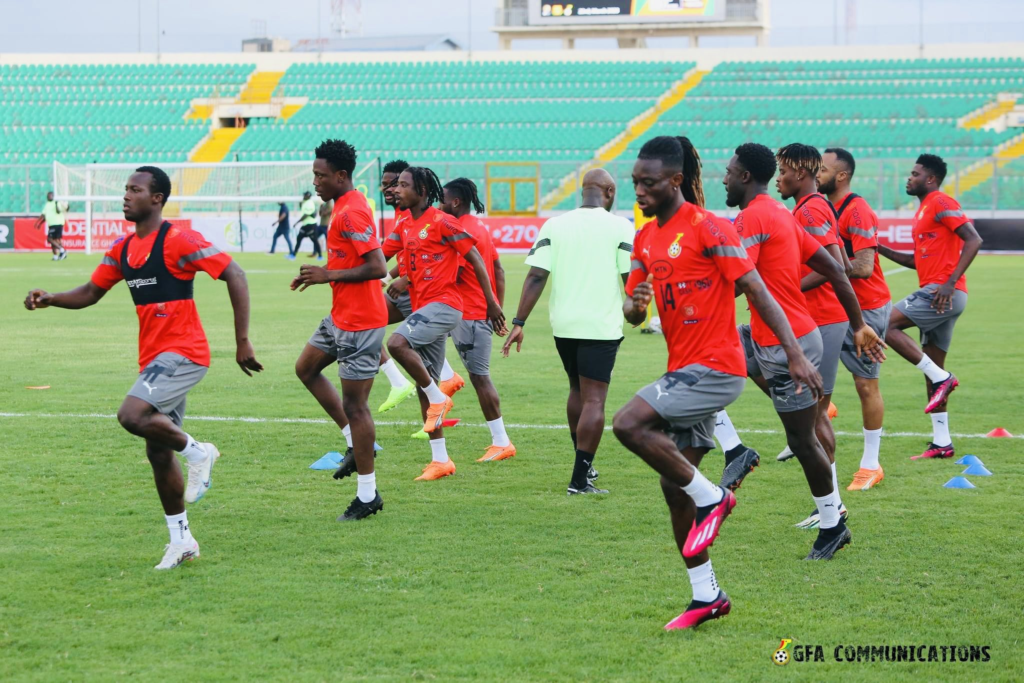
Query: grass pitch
[{"x": 493, "y": 573}]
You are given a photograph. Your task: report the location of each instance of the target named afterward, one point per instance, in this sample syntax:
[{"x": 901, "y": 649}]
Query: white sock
[
  {"x": 872, "y": 441},
  {"x": 438, "y": 451},
  {"x": 940, "y": 429},
  {"x": 828, "y": 509},
  {"x": 177, "y": 525},
  {"x": 347, "y": 432},
  {"x": 702, "y": 491},
  {"x": 446, "y": 371},
  {"x": 726, "y": 434},
  {"x": 367, "y": 486},
  {"x": 705, "y": 585},
  {"x": 434, "y": 395},
  {"x": 931, "y": 370},
  {"x": 835, "y": 480},
  {"x": 193, "y": 451},
  {"x": 393, "y": 374},
  {"x": 498, "y": 435}
]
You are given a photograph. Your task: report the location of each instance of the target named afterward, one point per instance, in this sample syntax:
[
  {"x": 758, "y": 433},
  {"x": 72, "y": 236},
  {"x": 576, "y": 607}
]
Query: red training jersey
[
  {"x": 695, "y": 259},
  {"x": 401, "y": 215},
  {"x": 355, "y": 306},
  {"x": 777, "y": 246},
  {"x": 858, "y": 228},
  {"x": 432, "y": 247},
  {"x": 474, "y": 303},
  {"x": 174, "y": 326},
  {"x": 815, "y": 215},
  {"x": 936, "y": 245}
]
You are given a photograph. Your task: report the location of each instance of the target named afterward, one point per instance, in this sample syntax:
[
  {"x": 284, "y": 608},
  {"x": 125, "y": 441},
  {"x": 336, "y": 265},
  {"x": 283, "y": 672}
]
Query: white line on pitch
[
  {"x": 410, "y": 423},
  {"x": 901, "y": 269}
]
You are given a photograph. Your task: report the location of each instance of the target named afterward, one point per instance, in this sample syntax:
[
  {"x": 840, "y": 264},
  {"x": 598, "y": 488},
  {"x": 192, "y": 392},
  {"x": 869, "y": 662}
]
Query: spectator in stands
[{"x": 283, "y": 228}]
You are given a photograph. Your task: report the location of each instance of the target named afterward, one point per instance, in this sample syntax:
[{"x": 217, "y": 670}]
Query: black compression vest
[{"x": 153, "y": 283}]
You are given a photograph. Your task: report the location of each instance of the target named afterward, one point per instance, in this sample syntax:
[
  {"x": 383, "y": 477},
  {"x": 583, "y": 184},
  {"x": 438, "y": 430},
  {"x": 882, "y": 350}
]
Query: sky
[{"x": 28, "y": 26}]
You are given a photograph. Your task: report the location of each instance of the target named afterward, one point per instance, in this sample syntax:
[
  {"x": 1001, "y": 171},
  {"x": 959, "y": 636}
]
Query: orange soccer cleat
[
  {"x": 435, "y": 415},
  {"x": 865, "y": 479},
  {"x": 833, "y": 412},
  {"x": 451, "y": 386},
  {"x": 437, "y": 470},
  {"x": 495, "y": 453}
]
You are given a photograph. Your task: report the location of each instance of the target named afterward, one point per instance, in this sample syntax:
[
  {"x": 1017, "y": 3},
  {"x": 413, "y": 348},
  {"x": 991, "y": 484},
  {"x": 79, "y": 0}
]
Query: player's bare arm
[
  {"x": 79, "y": 297},
  {"x": 634, "y": 308},
  {"x": 905, "y": 259},
  {"x": 865, "y": 339},
  {"x": 373, "y": 267},
  {"x": 494, "y": 312},
  {"x": 533, "y": 287},
  {"x": 943, "y": 300},
  {"x": 815, "y": 279},
  {"x": 238, "y": 292},
  {"x": 499, "y": 281},
  {"x": 863, "y": 264},
  {"x": 801, "y": 370}
]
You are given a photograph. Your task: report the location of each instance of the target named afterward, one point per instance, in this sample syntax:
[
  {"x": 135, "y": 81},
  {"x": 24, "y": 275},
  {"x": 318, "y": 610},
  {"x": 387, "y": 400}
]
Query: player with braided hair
[
  {"x": 432, "y": 242},
  {"x": 472, "y": 336}
]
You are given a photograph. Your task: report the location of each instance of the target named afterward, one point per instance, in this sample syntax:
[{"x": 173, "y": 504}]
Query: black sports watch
[{"x": 517, "y": 321}]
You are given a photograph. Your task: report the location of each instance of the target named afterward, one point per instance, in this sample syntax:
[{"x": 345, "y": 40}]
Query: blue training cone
[
  {"x": 969, "y": 460},
  {"x": 977, "y": 470},
  {"x": 332, "y": 459},
  {"x": 958, "y": 483}
]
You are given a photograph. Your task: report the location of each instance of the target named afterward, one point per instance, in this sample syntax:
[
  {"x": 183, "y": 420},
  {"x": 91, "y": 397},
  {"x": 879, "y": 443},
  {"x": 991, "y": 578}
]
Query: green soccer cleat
[
  {"x": 396, "y": 396},
  {"x": 420, "y": 435}
]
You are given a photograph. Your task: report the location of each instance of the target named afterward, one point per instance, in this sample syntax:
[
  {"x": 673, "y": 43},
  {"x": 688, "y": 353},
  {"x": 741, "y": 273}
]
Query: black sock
[
  {"x": 575, "y": 445},
  {"x": 732, "y": 453},
  {"x": 579, "y": 471}
]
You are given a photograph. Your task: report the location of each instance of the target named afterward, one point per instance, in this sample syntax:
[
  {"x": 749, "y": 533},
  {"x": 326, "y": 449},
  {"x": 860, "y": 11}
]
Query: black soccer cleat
[
  {"x": 586, "y": 490},
  {"x": 593, "y": 474},
  {"x": 357, "y": 509},
  {"x": 348, "y": 465},
  {"x": 829, "y": 542},
  {"x": 739, "y": 467}
]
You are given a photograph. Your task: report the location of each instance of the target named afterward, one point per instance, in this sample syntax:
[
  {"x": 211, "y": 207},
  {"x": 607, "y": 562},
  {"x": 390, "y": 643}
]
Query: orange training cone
[
  {"x": 832, "y": 411},
  {"x": 999, "y": 433}
]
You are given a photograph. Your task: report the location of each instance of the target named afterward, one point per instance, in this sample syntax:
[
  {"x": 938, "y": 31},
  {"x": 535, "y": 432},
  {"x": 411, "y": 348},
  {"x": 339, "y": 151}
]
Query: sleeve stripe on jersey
[
  {"x": 455, "y": 238},
  {"x": 863, "y": 233},
  {"x": 358, "y": 236},
  {"x": 819, "y": 231},
  {"x": 198, "y": 255},
  {"x": 108, "y": 261},
  {"x": 636, "y": 265},
  {"x": 626, "y": 246},
  {"x": 948, "y": 214},
  {"x": 738, "y": 252},
  {"x": 542, "y": 243},
  {"x": 755, "y": 239},
  {"x": 395, "y": 237}
]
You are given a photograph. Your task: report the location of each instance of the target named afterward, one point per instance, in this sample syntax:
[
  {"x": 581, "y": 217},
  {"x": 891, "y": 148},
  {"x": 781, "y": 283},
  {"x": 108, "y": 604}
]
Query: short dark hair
[
  {"x": 340, "y": 155},
  {"x": 160, "y": 183},
  {"x": 758, "y": 160},
  {"x": 678, "y": 152},
  {"x": 934, "y": 165},
  {"x": 844, "y": 157},
  {"x": 395, "y": 166},
  {"x": 799, "y": 155}
]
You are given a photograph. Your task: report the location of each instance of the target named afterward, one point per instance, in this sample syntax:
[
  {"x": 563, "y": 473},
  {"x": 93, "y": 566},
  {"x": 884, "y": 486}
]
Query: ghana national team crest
[
  {"x": 423, "y": 232},
  {"x": 674, "y": 249},
  {"x": 781, "y": 657}
]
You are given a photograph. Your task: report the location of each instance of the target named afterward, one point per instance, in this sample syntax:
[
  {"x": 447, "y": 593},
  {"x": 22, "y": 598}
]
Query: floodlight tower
[{"x": 346, "y": 18}]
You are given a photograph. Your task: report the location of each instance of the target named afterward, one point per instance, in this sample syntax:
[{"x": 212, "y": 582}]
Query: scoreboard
[{"x": 567, "y": 12}]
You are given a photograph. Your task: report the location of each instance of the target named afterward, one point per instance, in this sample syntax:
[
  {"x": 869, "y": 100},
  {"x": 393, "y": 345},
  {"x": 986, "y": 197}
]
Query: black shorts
[
  {"x": 55, "y": 232},
  {"x": 321, "y": 231},
  {"x": 590, "y": 358}
]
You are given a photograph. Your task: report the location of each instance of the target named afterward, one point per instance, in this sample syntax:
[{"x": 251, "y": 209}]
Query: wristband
[
  {"x": 387, "y": 279},
  {"x": 517, "y": 321}
]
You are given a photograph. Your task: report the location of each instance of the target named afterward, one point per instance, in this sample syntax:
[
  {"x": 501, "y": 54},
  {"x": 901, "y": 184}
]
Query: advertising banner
[
  {"x": 6, "y": 233},
  {"x": 104, "y": 232},
  {"x": 624, "y": 11}
]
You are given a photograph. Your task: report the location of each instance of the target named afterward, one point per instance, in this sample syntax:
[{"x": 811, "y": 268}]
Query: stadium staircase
[
  {"x": 261, "y": 87},
  {"x": 988, "y": 114},
  {"x": 978, "y": 174}
]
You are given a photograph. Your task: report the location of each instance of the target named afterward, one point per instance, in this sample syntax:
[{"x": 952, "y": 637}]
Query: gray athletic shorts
[
  {"x": 473, "y": 342},
  {"x": 773, "y": 364},
  {"x": 832, "y": 338},
  {"x": 358, "y": 353},
  {"x": 936, "y": 328},
  {"x": 165, "y": 383},
  {"x": 426, "y": 331},
  {"x": 402, "y": 303},
  {"x": 878, "y": 320},
  {"x": 688, "y": 400}
]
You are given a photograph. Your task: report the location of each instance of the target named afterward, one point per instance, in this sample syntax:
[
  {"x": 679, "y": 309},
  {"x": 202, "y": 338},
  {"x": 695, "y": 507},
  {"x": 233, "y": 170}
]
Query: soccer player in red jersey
[
  {"x": 159, "y": 263},
  {"x": 945, "y": 244},
  {"x": 473, "y": 336},
  {"x": 432, "y": 242},
  {"x": 691, "y": 261},
  {"x": 778, "y": 246},
  {"x": 397, "y": 299},
  {"x": 352, "y": 334},
  {"x": 858, "y": 228}
]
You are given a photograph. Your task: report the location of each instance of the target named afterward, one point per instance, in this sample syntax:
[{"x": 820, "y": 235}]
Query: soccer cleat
[
  {"x": 941, "y": 391},
  {"x": 357, "y": 509},
  {"x": 698, "y": 612},
  {"x": 437, "y": 470},
  {"x": 348, "y": 464},
  {"x": 450, "y": 386},
  {"x": 739, "y": 467},
  {"x": 176, "y": 553},
  {"x": 290, "y": 257},
  {"x": 587, "y": 490},
  {"x": 866, "y": 479},
  {"x": 833, "y": 412},
  {"x": 436, "y": 413},
  {"x": 200, "y": 474},
  {"x": 933, "y": 451},
  {"x": 496, "y": 453},
  {"x": 814, "y": 519},
  {"x": 593, "y": 474},
  {"x": 707, "y": 525},
  {"x": 396, "y": 396},
  {"x": 829, "y": 542},
  {"x": 785, "y": 455},
  {"x": 62, "y": 255},
  {"x": 419, "y": 435}
]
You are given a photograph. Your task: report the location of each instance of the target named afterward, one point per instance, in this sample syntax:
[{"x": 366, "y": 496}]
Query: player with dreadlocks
[
  {"x": 397, "y": 285},
  {"x": 472, "y": 336},
  {"x": 432, "y": 242},
  {"x": 691, "y": 262}
]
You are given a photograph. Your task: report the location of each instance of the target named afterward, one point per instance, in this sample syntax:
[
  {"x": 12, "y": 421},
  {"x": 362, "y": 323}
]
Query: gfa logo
[
  {"x": 674, "y": 249},
  {"x": 780, "y": 656}
]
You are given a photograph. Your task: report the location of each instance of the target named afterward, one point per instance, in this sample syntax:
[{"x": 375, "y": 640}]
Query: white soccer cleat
[
  {"x": 176, "y": 553},
  {"x": 200, "y": 474},
  {"x": 785, "y": 455}
]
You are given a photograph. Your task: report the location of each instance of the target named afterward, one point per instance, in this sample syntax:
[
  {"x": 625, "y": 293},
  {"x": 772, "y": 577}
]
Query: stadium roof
[{"x": 413, "y": 43}]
